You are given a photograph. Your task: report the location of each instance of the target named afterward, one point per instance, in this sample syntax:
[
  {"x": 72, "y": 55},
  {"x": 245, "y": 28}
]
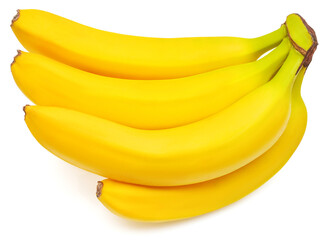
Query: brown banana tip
[
  {"x": 19, "y": 52},
  {"x": 15, "y": 18},
  {"x": 99, "y": 189},
  {"x": 24, "y": 109}
]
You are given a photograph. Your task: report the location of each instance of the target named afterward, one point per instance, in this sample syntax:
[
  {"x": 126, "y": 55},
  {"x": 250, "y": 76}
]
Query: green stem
[
  {"x": 277, "y": 54},
  {"x": 270, "y": 40},
  {"x": 286, "y": 74}
]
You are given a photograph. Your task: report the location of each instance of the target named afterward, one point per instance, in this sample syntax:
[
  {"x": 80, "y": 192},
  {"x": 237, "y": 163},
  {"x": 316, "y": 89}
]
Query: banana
[
  {"x": 172, "y": 203},
  {"x": 142, "y": 104},
  {"x": 192, "y": 153},
  {"x": 133, "y": 57}
]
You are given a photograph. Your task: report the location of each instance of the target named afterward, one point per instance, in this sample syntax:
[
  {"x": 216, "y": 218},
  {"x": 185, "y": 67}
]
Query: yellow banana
[
  {"x": 142, "y": 104},
  {"x": 133, "y": 57},
  {"x": 172, "y": 203},
  {"x": 192, "y": 153}
]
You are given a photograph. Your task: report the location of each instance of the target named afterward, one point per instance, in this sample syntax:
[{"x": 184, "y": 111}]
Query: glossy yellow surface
[
  {"x": 146, "y": 203},
  {"x": 192, "y": 153},
  {"x": 133, "y": 57},
  {"x": 142, "y": 104}
]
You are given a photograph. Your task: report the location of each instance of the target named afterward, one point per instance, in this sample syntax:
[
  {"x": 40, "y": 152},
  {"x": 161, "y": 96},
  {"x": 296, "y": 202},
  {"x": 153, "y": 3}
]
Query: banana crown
[{"x": 302, "y": 36}]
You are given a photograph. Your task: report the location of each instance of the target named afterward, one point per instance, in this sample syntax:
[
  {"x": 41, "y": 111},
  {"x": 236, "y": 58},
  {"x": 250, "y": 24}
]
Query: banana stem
[
  {"x": 302, "y": 37},
  {"x": 286, "y": 75},
  {"x": 281, "y": 50},
  {"x": 270, "y": 40}
]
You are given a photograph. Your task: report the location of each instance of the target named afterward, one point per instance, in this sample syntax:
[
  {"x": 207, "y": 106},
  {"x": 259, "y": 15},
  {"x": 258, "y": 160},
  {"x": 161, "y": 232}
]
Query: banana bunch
[{"x": 179, "y": 126}]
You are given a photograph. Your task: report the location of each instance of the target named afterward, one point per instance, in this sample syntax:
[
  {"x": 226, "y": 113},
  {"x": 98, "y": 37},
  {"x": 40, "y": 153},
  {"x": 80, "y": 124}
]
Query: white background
[{"x": 42, "y": 197}]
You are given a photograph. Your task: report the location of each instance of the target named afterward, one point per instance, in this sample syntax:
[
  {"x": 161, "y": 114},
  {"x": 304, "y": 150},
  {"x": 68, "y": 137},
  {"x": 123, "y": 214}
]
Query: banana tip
[
  {"x": 15, "y": 18},
  {"x": 99, "y": 189},
  {"x": 19, "y": 52},
  {"x": 24, "y": 109}
]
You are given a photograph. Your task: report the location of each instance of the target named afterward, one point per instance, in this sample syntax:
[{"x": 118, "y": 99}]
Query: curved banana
[
  {"x": 192, "y": 153},
  {"x": 133, "y": 57},
  {"x": 172, "y": 203},
  {"x": 142, "y": 104}
]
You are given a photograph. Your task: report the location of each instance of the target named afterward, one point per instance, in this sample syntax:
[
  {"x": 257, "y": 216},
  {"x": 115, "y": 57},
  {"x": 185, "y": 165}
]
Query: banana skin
[
  {"x": 133, "y": 57},
  {"x": 142, "y": 104},
  {"x": 144, "y": 203},
  {"x": 192, "y": 153}
]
